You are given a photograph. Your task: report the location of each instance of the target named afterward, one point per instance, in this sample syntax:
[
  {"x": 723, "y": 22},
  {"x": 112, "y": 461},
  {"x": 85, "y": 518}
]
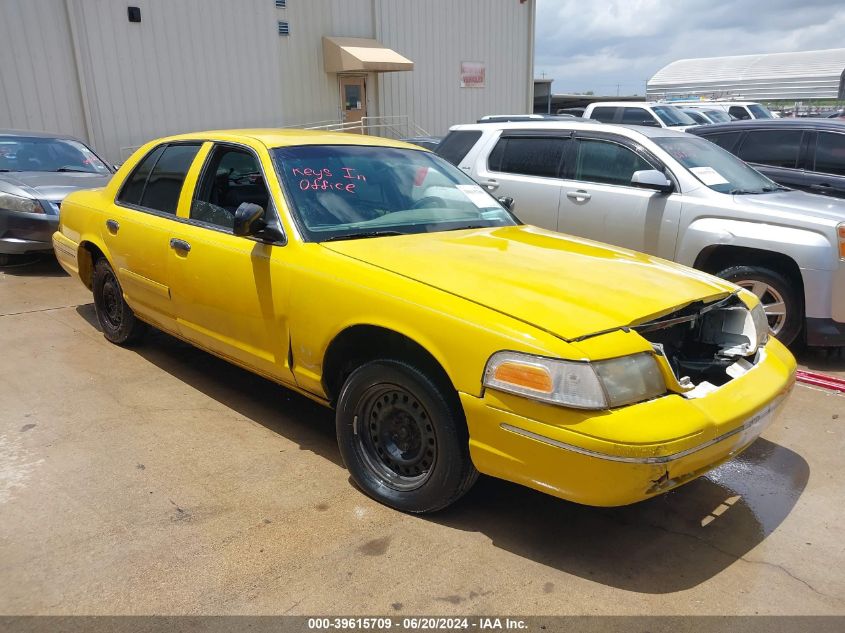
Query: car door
[
  {"x": 598, "y": 201},
  {"x": 230, "y": 292},
  {"x": 137, "y": 228},
  {"x": 826, "y": 169},
  {"x": 525, "y": 165},
  {"x": 775, "y": 153}
]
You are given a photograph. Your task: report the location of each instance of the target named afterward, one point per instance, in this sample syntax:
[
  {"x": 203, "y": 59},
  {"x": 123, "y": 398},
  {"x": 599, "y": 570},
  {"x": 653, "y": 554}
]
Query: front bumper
[
  {"x": 26, "y": 232},
  {"x": 618, "y": 457}
]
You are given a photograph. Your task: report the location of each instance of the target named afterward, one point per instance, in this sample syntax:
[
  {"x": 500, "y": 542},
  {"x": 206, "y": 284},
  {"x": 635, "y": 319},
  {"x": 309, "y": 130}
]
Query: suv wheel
[{"x": 781, "y": 302}]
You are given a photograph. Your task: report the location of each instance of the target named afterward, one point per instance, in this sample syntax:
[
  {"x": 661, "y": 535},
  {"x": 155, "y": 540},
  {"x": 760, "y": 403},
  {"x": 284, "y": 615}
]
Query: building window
[
  {"x": 281, "y": 4},
  {"x": 284, "y": 28}
]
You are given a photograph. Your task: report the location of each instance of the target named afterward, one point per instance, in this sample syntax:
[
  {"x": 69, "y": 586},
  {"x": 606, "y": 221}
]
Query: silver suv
[{"x": 676, "y": 196}]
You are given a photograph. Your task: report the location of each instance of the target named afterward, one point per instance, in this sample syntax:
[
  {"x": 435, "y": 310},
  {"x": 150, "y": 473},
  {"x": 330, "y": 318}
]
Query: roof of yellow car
[{"x": 281, "y": 137}]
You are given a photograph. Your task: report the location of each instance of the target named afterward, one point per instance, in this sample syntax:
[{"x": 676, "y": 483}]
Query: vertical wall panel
[
  {"x": 39, "y": 88},
  {"x": 437, "y": 35}
]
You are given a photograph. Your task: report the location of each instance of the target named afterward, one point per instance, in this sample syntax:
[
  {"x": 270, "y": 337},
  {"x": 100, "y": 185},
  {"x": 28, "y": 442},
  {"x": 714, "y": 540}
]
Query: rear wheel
[
  {"x": 402, "y": 441},
  {"x": 116, "y": 318},
  {"x": 781, "y": 302}
]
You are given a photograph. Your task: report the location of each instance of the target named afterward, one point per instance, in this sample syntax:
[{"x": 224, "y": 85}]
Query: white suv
[
  {"x": 676, "y": 196},
  {"x": 639, "y": 113}
]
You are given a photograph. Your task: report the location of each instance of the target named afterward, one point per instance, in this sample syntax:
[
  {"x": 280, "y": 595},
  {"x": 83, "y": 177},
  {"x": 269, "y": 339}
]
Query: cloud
[{"x": 599, "y": 46}]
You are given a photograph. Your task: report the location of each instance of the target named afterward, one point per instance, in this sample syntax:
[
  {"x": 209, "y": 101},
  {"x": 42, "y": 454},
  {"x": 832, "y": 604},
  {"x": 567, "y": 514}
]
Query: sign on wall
[{"x": 472, "y": 74}]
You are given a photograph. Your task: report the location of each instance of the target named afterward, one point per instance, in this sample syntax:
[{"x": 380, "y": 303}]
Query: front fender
[{"x": 809, "y": 249}]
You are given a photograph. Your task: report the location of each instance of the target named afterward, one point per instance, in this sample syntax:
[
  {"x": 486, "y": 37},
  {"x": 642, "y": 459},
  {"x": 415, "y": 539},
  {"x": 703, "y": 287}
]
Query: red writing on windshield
[{"x": 324, "y": 180}]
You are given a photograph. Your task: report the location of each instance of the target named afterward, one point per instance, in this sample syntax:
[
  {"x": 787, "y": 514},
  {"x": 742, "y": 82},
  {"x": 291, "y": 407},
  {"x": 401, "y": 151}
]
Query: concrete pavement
[{"x": 161, "y": 480}]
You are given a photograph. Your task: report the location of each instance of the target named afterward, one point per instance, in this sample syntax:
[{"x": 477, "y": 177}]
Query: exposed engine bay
[{"x": 708, "y": 344}]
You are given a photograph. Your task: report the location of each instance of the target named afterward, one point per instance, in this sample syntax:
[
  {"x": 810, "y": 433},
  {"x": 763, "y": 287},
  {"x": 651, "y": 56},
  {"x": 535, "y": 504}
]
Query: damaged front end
[{"x": 702, "y": 346}]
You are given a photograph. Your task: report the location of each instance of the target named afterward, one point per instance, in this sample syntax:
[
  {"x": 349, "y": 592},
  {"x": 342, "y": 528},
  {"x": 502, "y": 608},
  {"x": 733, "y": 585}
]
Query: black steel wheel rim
[
  {"x": 111, "y": 301},
  {"x": 395, "y": 437}
]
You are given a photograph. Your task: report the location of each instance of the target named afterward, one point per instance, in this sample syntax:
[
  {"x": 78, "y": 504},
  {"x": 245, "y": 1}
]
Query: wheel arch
[
  {"x": 358, "y": 344},
  {"x": 718, "y": 257},
  {"x": 87, "y": 255}
]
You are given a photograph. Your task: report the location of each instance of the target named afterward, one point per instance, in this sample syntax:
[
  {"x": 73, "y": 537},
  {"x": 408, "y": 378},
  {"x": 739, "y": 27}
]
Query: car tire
[
  {"x": 5, "y": 259},
  {"x": 773, "y": 289},
  {"x": 118, "y": 322},
  {"x": 402, "y": 440}
]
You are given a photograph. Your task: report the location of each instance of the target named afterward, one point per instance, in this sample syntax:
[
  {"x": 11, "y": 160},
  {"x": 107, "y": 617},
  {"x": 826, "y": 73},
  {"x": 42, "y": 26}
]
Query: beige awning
[{"x": 350, "y": 54}]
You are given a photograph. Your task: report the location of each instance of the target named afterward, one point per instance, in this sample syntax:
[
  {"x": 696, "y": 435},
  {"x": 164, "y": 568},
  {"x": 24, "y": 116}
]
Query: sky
[{"x": 617, "y": 45}]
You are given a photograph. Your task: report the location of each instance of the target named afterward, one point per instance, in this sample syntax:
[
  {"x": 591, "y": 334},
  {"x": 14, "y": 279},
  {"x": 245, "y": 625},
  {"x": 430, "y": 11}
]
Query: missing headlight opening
[{"x": 707, "y": 345}]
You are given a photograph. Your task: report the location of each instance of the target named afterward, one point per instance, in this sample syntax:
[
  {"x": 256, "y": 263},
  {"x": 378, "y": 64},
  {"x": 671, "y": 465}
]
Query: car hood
[
  {"x": 49, "y": 185},
  {"x": 562, "y": 284},
  {"x": 794, "y": 203}
]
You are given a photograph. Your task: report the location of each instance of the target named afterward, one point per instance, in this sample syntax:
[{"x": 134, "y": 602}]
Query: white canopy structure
[{"x": 802, "y": 76}]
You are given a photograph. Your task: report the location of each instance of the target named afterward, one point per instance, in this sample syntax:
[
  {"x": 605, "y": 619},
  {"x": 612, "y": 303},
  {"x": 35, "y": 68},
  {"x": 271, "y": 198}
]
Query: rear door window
[
  {"x": 157, "y": 181},
  {"x": 604, "y": 114},
  {"x": 830, "y": 153},
  {"x": 457, "y": 144},
  {"x": 778, "y": 148},
  {"x": 638, "y": 116},
  {"x": 133, "y": 188},
  {"x": 529, "y": 156},
  {"x": 607, "y": 162}
]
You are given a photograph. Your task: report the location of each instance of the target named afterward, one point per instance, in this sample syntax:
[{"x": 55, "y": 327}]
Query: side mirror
[
  {"x": 652, "y": 179},
  {"x": 249, "y": 219},
  {"x": 507, "y": 202}
]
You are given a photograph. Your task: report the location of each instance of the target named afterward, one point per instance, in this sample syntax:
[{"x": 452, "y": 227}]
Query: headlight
[
  {"x": 599, "y": 385},
  {"x": 19, "y": 204}
]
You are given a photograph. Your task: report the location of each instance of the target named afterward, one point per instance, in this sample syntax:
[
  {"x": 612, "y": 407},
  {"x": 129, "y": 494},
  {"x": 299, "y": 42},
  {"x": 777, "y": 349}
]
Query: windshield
[
  {"x": 672, "y": 116},
  {"x": 760, "y": 112},
  {"x": 716, "y": 168},
  {"x": 352, "y": 191},
  {"x": 698, "y": 117},
  {"x": 719, "y": 116},
  {"x": 32, "y": 153}
]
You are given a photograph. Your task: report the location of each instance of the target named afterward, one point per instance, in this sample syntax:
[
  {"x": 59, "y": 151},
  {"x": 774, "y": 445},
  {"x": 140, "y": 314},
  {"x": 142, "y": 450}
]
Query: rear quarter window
[{"x": 457, "y": 144}]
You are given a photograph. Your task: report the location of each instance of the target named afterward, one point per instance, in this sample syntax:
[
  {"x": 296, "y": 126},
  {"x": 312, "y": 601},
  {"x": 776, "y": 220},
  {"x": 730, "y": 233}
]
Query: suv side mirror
[
  {"x": 507, "y": 202},
  {"x": 249, "y": 219},
  {"x": 652, "y": 179}
]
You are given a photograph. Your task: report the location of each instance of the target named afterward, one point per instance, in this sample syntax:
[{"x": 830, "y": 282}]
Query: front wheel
[
  {"x": 781, "y": 302},
  {"x": 402, "y": 441},
  {"x": 116, "y": 318}
]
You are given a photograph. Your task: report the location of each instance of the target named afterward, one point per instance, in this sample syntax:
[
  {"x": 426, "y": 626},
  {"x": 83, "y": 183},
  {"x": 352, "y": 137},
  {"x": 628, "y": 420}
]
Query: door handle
[
  {"x": 113, "y": 226},
  {"x": 179, "y": 245},
  {"x": 490, "y": 185},
  {"x": 579, "y": 195}
]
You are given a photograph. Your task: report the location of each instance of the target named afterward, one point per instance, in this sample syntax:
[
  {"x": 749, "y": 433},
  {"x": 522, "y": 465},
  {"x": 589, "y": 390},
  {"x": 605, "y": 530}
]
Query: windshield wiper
[
  {"x": 468, "y": 226},
  {"x": 741, "y": 192},
  {"x": 75, "y": 169},
  {"x": 776, "y": 188},
  {"x": 362, "y": 235}
]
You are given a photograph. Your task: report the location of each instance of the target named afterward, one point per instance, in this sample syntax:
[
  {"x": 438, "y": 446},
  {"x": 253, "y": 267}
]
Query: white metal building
[
  {"x": 120, "y": 73},
  {"x": 804, "y": 75}
]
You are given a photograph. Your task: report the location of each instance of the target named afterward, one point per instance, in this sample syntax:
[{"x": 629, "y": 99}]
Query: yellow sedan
[{"x": 375, "y": 278}]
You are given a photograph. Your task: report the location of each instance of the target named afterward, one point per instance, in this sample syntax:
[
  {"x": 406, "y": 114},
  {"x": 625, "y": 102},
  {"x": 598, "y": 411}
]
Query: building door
[{"x": 353, "y": 99}]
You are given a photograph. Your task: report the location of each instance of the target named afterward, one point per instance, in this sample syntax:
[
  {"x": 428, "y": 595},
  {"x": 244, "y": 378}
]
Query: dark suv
[{"x": 806, "y": 154}]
